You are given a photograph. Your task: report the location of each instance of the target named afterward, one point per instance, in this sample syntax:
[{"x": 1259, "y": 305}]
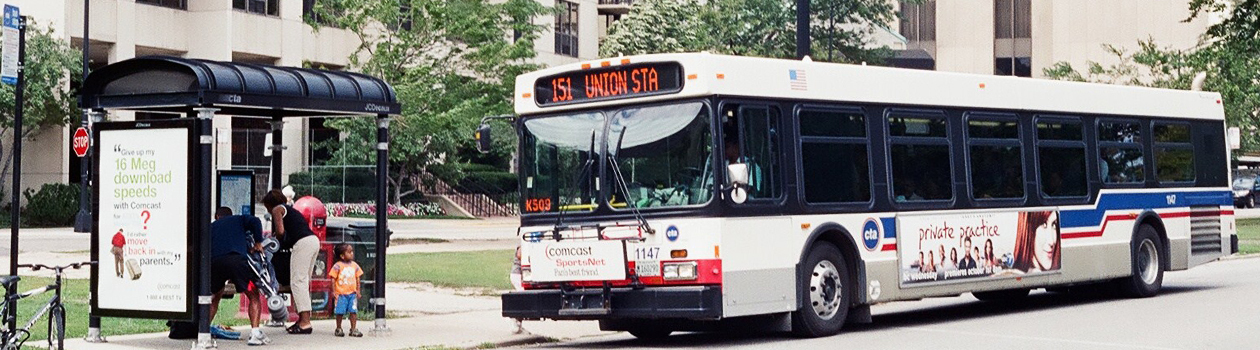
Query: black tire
[
  {"x": 57, "y": 328},
  {"x": 824, "y": 267},
  {"x": 1002, "y": 295},
  {"x": 650, "y": 333},
  {"x": 1251, "y": 202},
  {"x": 1147, "y": 274}
]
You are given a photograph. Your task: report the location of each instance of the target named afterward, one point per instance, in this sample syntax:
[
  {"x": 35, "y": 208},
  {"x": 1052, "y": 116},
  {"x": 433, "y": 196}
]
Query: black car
[{"x": 1246, "y": 189}]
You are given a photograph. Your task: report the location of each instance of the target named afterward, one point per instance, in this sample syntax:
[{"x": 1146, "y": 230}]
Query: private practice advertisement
[
  {"x": 977, "y": 246},
  {"x": 566, "y": 261},
  {"x": 142, "y": 229}
]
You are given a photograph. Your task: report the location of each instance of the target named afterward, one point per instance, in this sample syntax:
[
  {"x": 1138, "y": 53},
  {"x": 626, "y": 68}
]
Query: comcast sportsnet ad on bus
[
  {"x": 578, "y": 261},
  {"x": 977, "y": 246}
]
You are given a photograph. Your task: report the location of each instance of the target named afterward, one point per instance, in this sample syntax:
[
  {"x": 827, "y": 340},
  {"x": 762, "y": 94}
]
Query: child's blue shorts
[{"x": 346, "y": 304}]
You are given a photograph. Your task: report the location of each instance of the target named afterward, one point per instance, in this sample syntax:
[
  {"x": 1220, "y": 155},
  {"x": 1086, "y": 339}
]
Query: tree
[
  {"x": 840, "y": 29},
  {"x": 50, "y": 65},
  {"x": 450, "y": 63},
  {"x": 1229, "y": 54}
]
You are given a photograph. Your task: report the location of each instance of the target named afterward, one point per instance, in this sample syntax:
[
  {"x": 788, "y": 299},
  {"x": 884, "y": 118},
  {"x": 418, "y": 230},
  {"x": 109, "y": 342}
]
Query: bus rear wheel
[
  {"x": 826, "y": 292},
  {"x": 1146, "y": 255}
]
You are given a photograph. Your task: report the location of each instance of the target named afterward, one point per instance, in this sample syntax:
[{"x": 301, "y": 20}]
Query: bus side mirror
[
  {"x": 483, "y": 138},
  {"x": 737, "y": 175}
]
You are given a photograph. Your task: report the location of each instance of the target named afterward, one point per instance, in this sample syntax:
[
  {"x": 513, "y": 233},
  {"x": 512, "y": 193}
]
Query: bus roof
[{"x": 711, "y": 74}]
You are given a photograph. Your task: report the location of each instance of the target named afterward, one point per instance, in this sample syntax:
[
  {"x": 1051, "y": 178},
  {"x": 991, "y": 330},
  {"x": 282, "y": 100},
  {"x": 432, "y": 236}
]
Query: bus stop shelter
[{"x": 195, "y": 91}]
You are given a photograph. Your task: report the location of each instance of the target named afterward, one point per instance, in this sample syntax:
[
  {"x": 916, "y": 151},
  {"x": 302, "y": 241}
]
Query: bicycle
[{"x": 12, "y": 339}]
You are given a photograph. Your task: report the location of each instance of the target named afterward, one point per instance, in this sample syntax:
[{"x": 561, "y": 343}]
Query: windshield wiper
[
  {"x": 586, "y": 170},
  {"x": 625, "y": 189}
]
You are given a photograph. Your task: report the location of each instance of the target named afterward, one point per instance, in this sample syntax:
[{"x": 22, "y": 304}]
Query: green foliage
[
  {"x": 450, "y": 62},
  {"x": 1229, "y": 55},
  {"x": 50, "y": 65},
  {"x": 54, "y": 204},
  {"x": 840, "y": 29}
]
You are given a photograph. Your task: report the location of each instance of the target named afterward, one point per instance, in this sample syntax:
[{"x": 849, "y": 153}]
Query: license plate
[{"x": 647, "y": 268}]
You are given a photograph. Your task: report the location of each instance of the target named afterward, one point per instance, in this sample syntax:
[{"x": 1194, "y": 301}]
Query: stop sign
[{"x": 80, "y": 142}]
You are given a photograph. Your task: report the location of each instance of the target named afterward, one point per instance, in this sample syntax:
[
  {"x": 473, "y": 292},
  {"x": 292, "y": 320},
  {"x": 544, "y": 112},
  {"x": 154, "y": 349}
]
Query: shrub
[
  {"x": 53, "y": 205},
  {"x": 407, "y": 209}
]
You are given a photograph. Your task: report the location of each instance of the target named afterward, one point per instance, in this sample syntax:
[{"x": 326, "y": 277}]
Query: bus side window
[{"x": 757, "y": 136}]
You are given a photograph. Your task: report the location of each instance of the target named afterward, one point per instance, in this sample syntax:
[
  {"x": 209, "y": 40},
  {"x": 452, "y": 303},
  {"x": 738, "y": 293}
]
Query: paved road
[{"x": 1209, "y": 307}]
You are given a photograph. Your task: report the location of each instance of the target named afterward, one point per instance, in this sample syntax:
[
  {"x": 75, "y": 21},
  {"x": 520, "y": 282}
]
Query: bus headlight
[{"x": 679, "y": 271}]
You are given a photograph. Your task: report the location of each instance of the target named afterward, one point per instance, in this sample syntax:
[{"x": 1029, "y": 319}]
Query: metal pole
[
  {"x": 802, "y": 29},
  {"x": 277, "y": 148},
  {"x": 382, "y": 231},
  {"x": 94, "y": 323},
  {"x": 83, "y": 220},
  {"x": 15, "y": 220},
  {"x": 205, "y": 131}
]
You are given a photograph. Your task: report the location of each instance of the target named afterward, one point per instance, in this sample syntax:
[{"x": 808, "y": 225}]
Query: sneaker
[
  {"x": 258, "y": 338},
  {"x": 354, "y": 332},
  {"x": 339, "y": 333}
]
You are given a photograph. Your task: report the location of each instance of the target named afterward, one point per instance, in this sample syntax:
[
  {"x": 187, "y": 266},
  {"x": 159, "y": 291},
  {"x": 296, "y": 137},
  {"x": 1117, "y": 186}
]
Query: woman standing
[{"x": 294, "y": 233}]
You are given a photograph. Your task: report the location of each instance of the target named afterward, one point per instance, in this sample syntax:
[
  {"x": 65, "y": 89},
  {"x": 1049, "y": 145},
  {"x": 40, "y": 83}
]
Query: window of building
[
  {"x": 997, "y": 162},
  {"x": 834, "y": 163},
  {"x": 1174, "y": 154},
  {"x": 567, "y": 28},
  {"x": 918, "y": 25},
  {"x": 922, "y": 169},
  {"x": 1061, "y": 157},
  {"x": 175, "y": 4},
  {"x": 324, "y": 16},
  {"x": 1012, "y": 37},
  {"x": 262, "y": 7},
  {"x": 1120, "y": 152}
]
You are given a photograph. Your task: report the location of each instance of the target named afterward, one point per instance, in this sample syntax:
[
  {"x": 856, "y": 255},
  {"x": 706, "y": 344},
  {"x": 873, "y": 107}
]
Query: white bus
[{"x": 668, "y": 192}]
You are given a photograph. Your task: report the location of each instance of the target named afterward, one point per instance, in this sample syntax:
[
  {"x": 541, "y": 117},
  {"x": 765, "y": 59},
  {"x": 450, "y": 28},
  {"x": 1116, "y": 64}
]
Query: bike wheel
[{"x": 57, "y": 328}]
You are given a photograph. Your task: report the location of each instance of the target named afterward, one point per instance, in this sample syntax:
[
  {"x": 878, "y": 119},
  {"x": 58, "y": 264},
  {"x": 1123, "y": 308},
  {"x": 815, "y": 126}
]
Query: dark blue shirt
[{"x": 231, "y": 235}]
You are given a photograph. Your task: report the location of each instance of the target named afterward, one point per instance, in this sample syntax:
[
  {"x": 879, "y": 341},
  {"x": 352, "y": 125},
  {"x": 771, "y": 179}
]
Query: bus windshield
[
  {"x": 558, "y": 162},
  {"x": 664, "y": 155}
]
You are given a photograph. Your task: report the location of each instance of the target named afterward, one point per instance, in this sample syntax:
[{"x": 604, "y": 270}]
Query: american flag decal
[{"x": 796, "y": 78}]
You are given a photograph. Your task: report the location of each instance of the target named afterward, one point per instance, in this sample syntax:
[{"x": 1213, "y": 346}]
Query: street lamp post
[{"x": 802, "y": 29}]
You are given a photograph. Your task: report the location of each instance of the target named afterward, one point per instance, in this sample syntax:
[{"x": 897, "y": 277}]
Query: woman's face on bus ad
[{"x": 1048, "y": 241}]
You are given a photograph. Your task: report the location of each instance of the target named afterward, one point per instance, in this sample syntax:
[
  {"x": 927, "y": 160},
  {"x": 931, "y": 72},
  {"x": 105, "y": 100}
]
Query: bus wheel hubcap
[
  {"x": 824, "y": 290},
  {"x": 1148, "y": 262}
]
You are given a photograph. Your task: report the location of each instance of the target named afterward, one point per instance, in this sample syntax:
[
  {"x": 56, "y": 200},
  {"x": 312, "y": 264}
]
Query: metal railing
[{"x": 616, "y": 2}]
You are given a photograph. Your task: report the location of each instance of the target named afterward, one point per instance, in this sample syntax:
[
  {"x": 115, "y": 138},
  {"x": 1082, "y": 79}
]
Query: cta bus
[{"x": 669, "y": 192}]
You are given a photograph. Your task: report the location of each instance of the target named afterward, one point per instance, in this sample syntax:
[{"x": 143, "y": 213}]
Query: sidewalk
[{"x": 434, "y": 318}]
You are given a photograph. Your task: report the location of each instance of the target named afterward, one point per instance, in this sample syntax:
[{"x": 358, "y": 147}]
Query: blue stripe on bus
[
  {"x": 1122, "y": 201},
  {"x": 890, "y": 227}
]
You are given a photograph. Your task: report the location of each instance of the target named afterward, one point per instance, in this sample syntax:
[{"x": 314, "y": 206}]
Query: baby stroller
[{"x": 260, "y": 264}]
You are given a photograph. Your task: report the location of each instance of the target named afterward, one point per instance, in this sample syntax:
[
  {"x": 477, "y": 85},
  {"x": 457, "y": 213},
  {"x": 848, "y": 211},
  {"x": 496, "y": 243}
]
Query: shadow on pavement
[{"x": 964, "y": 309}]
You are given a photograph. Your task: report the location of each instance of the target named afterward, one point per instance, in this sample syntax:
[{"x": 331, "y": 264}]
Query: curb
[
  {"x": 527, "y": 340},
  {"x": 1241, "y": 257}
]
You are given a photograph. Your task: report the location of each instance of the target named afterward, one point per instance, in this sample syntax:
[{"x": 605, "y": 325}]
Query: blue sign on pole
[{"x": 9, "y": 58}]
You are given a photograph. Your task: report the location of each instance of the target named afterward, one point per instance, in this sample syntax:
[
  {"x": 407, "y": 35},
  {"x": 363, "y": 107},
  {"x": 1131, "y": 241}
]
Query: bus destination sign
[{"x": 609, "y": 83}]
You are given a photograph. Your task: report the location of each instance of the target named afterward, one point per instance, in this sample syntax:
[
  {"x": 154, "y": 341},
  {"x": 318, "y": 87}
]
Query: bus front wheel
[
  {"x": 1147, "y": 264},
  {"x": 826, "y": 292}
]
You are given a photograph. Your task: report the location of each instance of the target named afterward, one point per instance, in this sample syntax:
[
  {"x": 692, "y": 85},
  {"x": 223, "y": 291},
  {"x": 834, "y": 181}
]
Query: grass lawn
[
  {"x": 75, "y": 292},
  {"x": 476, "y": 269},
  {"x": 1248, "y": 236}
]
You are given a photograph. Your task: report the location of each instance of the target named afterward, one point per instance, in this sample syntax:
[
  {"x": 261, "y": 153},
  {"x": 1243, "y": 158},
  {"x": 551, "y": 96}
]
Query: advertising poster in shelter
[
  {"x": 142, "y": 228},
  {"x": 977, "y": 246}
]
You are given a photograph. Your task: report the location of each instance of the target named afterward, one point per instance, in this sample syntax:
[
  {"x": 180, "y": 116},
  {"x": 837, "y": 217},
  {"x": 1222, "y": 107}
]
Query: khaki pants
[
  {"x": 118, "y": 260},
  {"x": 301, "y": 263}
]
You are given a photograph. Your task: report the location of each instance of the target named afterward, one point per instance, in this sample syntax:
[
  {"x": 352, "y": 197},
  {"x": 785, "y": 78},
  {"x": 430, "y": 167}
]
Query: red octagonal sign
[{"x": 80, "y": 142}]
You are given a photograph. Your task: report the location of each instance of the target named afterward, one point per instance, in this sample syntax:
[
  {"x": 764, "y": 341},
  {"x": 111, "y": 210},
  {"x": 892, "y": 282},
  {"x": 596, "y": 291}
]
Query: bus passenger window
[
  {"x": 921, "y": 164},
  {"x": 834, "y": 164},
  {"x": 997, "y": 166},
  {"x": 1120, "y": 152},
  {"x": 1061, "y": 158},
  {"x": 752, "y": 139}
]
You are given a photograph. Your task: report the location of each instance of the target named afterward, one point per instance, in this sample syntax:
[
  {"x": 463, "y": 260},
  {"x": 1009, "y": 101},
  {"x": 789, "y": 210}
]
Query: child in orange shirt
[{"x": 345, "y": 275}]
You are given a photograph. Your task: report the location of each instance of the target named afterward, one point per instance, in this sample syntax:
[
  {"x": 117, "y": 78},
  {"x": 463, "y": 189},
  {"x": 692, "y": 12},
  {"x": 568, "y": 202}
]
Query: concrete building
[
  {"x": 252, "y": 31},
  {"x": 1022, "y": 37}
]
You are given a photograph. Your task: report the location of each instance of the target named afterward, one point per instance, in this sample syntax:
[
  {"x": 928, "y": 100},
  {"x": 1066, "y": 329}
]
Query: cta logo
[
  {"x": 671, "y": 233},
  {"x": 871, "y": 234}
]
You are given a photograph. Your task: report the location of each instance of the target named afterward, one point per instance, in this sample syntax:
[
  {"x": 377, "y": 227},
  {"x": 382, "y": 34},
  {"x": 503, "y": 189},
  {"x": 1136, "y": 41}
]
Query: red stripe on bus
[
  {"x": 1124, "y": 217},
  {"x": 889, "y": 247}
]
